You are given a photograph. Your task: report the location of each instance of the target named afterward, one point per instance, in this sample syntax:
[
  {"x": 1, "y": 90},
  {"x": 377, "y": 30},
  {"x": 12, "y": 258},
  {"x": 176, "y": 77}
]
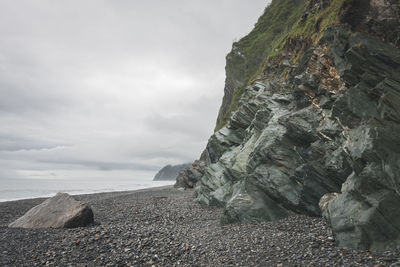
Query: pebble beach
[{"x": 164, "y": 227}]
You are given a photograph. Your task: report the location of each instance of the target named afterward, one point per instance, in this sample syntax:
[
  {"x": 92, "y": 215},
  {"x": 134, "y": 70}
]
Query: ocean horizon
[{"x": 25, "y": 188}]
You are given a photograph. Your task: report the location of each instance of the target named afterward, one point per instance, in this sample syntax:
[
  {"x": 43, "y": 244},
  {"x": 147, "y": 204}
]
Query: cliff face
[
  {"x": 248, "y": 55},
  {"x": 170, "y": 172},
  {"x": 311, "y": 107}
]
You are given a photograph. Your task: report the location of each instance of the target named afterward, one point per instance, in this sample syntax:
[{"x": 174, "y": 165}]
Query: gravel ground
[{"x": 164, "y": 227}]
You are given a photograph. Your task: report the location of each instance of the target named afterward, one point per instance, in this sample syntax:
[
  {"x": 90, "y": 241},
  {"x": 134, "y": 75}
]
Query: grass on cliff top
[
  {"x": 270, "y": 29},
  {"x": 311, "y": 29},
  {"x": 248, "y": 55},
  {"x": 281, "y": 21}
]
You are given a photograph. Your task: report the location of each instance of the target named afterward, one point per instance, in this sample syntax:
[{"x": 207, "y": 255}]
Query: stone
[
  {"x": 371, "y": 219},
  {"x": 60, "y": 211},
  {"x": 323, "y": 139},
  {"x": 325, "y": 199},
  {"x": 188, "y": 177}
]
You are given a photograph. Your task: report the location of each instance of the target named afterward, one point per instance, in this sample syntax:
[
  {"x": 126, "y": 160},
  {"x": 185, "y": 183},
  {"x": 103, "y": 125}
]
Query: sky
[{"x": 93, "y": 87}]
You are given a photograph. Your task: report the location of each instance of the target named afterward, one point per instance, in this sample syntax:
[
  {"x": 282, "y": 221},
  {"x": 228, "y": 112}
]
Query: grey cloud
[
  {"x": 15, "y": 143},
  {"x": 112, "y": 85},
  {"x": 105, "y": 166},
  {"x": 188, "y": 122}
]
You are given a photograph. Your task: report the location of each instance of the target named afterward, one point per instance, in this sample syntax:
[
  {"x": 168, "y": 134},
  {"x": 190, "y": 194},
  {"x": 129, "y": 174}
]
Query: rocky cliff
[
  {"x": 170, "y": 172},
  {"x": 312, "y": 107}
]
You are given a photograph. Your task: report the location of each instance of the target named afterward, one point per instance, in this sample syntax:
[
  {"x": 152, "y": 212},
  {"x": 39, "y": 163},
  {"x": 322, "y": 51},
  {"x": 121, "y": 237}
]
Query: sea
[{"x": 22, "y": 188}]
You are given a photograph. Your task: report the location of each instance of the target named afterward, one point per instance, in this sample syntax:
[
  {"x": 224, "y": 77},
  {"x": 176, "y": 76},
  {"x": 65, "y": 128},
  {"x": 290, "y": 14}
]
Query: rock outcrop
[
  {"x": 60, "y": 211},
  {"x": 189, "y": 177},
  {"x": 170, "y": 172},
  {"x": 321, "y": 115}
]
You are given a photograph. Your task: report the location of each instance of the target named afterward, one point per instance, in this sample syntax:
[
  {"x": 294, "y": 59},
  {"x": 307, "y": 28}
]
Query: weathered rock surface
[
  {"x": 170, "y": 172},
  {"x": 188, "y": 177},
  {"x": 330, "y": 124},
  {"x": 325, "y": 199},
  {"x": 60, "y": 211}
]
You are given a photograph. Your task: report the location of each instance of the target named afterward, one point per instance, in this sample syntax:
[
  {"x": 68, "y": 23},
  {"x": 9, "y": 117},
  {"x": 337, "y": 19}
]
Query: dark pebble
[{"x": 164, "y": 227}]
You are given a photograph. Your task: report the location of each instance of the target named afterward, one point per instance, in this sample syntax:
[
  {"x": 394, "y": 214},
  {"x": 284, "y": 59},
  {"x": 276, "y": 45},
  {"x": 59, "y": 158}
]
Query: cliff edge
[{"x": 311, "y": 115}]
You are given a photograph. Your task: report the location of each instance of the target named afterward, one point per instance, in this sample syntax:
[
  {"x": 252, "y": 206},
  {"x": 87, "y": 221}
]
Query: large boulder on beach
[{"x": 60, "y": 211}]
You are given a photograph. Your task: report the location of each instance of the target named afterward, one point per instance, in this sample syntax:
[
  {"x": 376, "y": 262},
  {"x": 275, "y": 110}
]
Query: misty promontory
[{"x": 170, "y": 172}]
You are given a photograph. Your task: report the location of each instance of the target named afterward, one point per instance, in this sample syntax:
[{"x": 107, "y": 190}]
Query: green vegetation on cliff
[
  {"x": 315, "y": 121},
  {"x": 282, "y": 21},
  {"x": 249, "y": 54}
]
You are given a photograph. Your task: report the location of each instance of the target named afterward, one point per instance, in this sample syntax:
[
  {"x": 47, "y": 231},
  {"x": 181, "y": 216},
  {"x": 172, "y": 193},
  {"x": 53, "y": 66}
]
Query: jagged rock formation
[
  {"x": 60, "y": 211},
  {"x": 188, "y": 177},
  {"x": 170, "y": 172},
  {"x": 312, "y": 107}
]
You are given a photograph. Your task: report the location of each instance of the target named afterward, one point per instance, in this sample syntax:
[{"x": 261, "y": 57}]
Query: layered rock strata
[{"x": 322, "y": 117}]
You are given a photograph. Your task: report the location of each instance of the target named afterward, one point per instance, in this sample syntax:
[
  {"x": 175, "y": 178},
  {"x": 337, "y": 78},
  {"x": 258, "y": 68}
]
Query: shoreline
[
  {"x": 73, "y": 193},
  {"x": 163, "y": 226}
]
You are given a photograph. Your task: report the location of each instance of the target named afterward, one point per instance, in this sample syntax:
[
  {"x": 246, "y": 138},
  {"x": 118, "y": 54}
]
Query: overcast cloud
[{"x": 100, "y": 85}]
